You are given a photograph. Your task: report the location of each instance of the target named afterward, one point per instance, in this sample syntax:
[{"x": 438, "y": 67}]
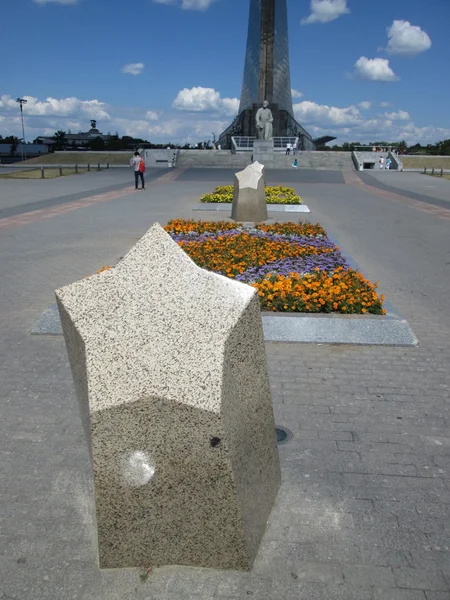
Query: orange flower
[{"x": 345, "y": 291}]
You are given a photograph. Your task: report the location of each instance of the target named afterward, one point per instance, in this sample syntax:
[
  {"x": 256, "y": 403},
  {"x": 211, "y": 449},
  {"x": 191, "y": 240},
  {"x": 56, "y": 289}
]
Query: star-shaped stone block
[
  {"x": 170, "y": 373},
  {"x": 249, "y": 197}
]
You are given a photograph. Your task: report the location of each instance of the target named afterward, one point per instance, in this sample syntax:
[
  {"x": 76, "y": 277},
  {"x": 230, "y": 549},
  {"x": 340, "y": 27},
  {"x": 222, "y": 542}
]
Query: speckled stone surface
[
  {"x": 360, "y": 330},
  {"x": 249, "y": 197},
  {"x": 170, "y": 372},
  {"x": 352, "y": 330},
  {"x": 219, "y": 206}
]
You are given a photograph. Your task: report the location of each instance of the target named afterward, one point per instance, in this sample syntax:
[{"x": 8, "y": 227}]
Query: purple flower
[
  {"x": 297, "y": 264},
  {"x": 327, "y": 262}
]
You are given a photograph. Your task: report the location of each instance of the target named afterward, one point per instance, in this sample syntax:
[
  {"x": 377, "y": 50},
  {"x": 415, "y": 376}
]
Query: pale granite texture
[
  {"x": 259, "y": 168},
  {"x": 263, "y": 152},
  {"x": 249, "y": 197},
  {"x": 170, "y": 373}
]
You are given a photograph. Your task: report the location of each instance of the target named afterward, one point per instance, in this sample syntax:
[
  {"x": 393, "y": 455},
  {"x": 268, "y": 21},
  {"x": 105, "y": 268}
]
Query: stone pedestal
[
  {"x": 263, "y": 152},
  {"x": 170, "y": 373},
  {"x": 249, "y": 196}
]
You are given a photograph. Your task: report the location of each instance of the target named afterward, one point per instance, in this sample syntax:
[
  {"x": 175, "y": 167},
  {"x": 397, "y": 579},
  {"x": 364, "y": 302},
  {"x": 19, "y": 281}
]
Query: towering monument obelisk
[{"x": 267, "y": 75}]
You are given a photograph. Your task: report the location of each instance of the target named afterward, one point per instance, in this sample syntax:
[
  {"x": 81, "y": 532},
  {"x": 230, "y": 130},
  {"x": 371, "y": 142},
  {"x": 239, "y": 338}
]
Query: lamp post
[{"x": 21, "y": 102}]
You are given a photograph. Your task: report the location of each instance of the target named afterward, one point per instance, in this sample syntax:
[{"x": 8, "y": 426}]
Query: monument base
[{"x": 263, "y": 152}]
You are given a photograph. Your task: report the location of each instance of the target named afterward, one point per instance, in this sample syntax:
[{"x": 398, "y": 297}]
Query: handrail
[{"x": 241, "y": 143}]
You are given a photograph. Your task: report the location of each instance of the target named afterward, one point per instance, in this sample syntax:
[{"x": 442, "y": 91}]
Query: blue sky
[{"x": 171, "y": 70}]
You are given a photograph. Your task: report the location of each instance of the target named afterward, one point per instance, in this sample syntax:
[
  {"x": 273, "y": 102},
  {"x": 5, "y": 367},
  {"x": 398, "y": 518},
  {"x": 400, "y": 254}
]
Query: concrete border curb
[
  {"x": 218, "y": 206},
  {"x": 300, "y": 328},
  {"x": 355, "y": 330}
]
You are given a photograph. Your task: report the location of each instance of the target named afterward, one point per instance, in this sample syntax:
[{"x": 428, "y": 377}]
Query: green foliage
[
  {"x": 13, "y": 141},
  {"x": 441, "y": 148},
  {"x": 97, "y": 144},
  {"x": 60, "y": 139}
]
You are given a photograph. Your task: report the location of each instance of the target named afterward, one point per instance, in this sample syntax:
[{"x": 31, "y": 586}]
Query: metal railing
[
  {"x": 242, "y": 143},
  {"x": 280, "y": 143},
  {"x": 245, "y": 143},
  {"x": 74, "y": 169}
]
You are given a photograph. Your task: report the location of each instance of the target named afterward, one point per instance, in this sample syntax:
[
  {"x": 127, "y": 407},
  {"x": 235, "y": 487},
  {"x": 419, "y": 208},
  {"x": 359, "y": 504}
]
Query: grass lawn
[
  {"x": 81, "y": 158},
  {"x": 430, "y": 162},
  {"x": 294, "y": 267},
  {"x": 36, "y": 173}
]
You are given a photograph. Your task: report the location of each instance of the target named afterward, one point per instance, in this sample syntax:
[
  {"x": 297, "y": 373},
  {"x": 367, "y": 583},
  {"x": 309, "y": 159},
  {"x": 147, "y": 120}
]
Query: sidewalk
[{"x": 363, "y": 512}]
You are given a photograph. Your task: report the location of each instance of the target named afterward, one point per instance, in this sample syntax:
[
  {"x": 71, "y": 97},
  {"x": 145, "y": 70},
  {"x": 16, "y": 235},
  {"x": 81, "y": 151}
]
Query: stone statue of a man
[{"x": 264, "y": 120}]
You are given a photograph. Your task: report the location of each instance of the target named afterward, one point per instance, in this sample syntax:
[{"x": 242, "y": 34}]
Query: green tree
[
  {"x": 14, "y": 142},
  {"x": 60, "y": 139},
  {"x": 97, "y": 144}
]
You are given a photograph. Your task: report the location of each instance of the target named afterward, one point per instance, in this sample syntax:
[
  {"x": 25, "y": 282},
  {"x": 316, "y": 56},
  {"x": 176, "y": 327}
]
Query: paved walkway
[
  {"x": 414, "y": 184},
  {"x": 364, "y": 509}
]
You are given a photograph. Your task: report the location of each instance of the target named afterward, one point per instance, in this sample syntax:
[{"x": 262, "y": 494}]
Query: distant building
[
  {"x": 75, "y": 141},
  {"x": 29, "y": 150}
]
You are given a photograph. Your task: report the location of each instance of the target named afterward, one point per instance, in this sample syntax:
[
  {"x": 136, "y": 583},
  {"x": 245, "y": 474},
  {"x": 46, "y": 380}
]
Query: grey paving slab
[
  {"x": 359, "y": 415},
  {"x": 14, "y": 192},
  {"x": 94, "y": 187},
  {"x": 417, "y": 186},
  {"x": 48, "y": 323},
  {"x": 274, "y": 176}
]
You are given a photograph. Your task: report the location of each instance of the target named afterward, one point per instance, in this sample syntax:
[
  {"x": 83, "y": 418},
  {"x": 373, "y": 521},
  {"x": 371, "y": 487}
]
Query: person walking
[
  {"x": 388, "y": 163},
  {"x": 295, "y": 164},
  {"x": 288, "y": 149},
  {"x": 294, "y": 148},
  {"x": 138, "y": 163},
  {"x": 381, "y": 161}
]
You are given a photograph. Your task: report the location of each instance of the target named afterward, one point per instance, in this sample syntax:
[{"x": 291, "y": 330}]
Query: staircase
[
  {"x": 213, "y": 158},
  {"x": 326, "y": 161}
]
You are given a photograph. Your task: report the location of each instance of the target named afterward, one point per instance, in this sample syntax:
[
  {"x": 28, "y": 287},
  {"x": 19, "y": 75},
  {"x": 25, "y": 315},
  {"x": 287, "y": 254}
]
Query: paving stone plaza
[{"x": 363, "y": 510}]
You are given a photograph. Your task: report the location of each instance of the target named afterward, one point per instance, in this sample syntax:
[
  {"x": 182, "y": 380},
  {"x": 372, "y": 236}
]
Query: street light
[{"x": 22, "y": 101}]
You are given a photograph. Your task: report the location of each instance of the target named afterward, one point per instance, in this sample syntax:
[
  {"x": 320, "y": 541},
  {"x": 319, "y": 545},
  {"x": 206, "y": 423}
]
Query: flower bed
[
  {"x": 294, "y": 266},
  {"x": 274, "y": 195}
]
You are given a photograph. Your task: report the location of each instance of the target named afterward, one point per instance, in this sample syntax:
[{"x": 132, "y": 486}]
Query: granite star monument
[{"x": 170, "y": 373}]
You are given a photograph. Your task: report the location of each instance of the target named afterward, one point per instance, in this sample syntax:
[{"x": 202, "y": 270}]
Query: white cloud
[
  {"x": 296, "y": 94},
  {"x": 365, "y": 105},
  {"x": 176, "y": 130},
  {"x": 170, "y": 128},
  {"x": 66, "y": 2},
  {"x": 401, "y": 115},
  {"x": 188, "y": 4},
  {"x": 374, "y": 69},
  {"x": 346, "y": 123},
  {"x": 322, "y": 114},
  {"x": 133, "y": 68},
  {"x": 324, "y": 11},
  {"x": 407, "y": 39},
  {"x": 64, "y": 107},
  {"x": 385, "y": 104},
  {"x": 200, "y": 99}
]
